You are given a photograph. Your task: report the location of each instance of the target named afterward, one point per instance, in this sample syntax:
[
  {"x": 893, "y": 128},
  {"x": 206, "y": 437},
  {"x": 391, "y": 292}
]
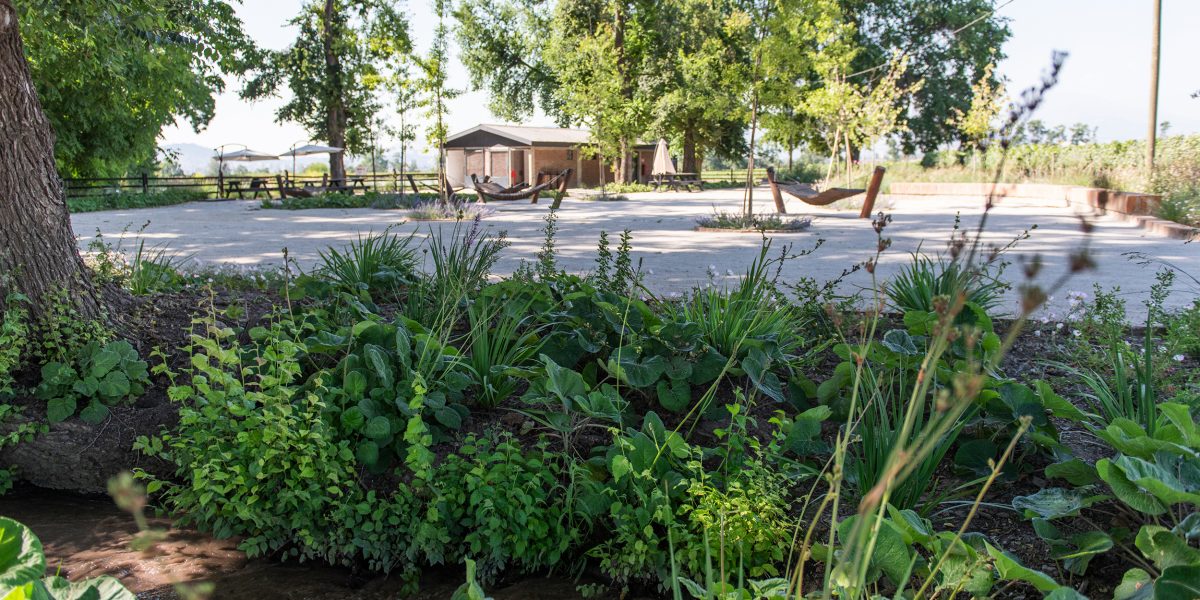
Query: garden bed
[{"x": 379, "y": 418}]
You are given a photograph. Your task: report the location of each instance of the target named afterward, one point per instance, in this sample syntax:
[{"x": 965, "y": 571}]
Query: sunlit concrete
[{"x": 675, "y": 257}]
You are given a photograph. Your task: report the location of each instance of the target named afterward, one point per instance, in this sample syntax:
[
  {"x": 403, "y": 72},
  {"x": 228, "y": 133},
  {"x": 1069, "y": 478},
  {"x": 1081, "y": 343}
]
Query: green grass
[{"x": 126, "y": 200}]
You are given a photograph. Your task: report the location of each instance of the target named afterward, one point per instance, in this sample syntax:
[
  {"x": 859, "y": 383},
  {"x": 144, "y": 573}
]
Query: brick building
[{"x": 515, "y": 153}]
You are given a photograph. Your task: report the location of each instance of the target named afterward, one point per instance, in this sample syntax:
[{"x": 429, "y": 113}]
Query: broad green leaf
[
  {"x": 1178, "y": 583},
  {"x": 115, "y": 385},
  {"x": 1050, "y": 503},
  {"x": 620, "y": 467},
  {"x": 1165, "y": 549},
  {"x": 379, "y": 364},
  {"x": 1074, "y": 471},
  {"x": 1135, "y": 585},
  {"x": 1065, "y": 593},
  {"x": 100, "y": 588},
  {"x": 95, "y": 412},
  {"x": 1056, "y": 404},
  {"x": 1009, "y": 568},
  {"x": 367, "y": 453},
  {"x": 900, "y": 342},
  {"x": 674, "y": 395},
  {"x": 1189, "y": 527},
  {"x": 60, "y": 409},
  {"x": 1126, "y": 491},
  {"x": 21, "y": 557},
  {"x": 378, "y": 428},
  {"x": 562, "y": 382},
  {"x": 103, "y": 362},
  {"x": 354, "y": 382},
  {"x": 353, "y": 419},
  {"x": 891, "y": 554}
]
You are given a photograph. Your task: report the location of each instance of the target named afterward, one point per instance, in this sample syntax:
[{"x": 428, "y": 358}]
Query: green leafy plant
[
  {"x": 23, "y": 568},
  {"x": 14, "y": 340},
  {"x": 503, "y": 343},
  {"x": 919, "y": 283},
  {"x": 371, "y": 263},
  {"x": 101, "y": 375},
  {"x": 154, "y": 270}
]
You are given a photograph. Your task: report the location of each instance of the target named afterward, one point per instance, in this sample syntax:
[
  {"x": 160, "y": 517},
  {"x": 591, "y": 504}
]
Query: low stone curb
[{"x": 1135, "y": 207}]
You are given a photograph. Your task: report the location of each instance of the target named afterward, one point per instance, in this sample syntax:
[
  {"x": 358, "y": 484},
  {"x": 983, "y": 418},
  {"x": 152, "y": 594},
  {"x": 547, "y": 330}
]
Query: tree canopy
[
  {"x": 111, "y": 75},
  {"x": 334, "y": 70}
]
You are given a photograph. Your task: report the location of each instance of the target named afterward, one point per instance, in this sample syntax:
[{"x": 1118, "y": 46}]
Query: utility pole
[{"x": 1152, "y": 130}]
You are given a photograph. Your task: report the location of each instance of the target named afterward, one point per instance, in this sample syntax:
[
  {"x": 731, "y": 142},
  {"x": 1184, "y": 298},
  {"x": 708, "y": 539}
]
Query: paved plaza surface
[{"x": 676, "y": 257}]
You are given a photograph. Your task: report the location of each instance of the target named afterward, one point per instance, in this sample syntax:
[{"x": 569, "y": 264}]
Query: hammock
[
  {"x": 487, "y": 192},
  {"x": 495, "y": 188},
  {"x": 807, "y": 193}
]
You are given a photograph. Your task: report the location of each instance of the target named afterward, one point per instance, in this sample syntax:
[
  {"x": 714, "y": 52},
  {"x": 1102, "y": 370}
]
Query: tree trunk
[
  {"x": 623, "y": 163},
  {"x": 689, "y": 151},
  {"x": 336, "y": 115},
  {"x": 38, "y": 251}
]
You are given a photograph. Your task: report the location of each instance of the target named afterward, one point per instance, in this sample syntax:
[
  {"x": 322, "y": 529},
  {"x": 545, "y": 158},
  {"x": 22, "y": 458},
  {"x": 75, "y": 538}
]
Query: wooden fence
[
  {"x": 237, "y": 185},
  {"x": 738, "y": 175}
]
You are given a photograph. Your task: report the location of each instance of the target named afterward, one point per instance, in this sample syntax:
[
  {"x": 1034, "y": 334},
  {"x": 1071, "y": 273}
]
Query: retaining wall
[{"x": 1132, "y": 206}]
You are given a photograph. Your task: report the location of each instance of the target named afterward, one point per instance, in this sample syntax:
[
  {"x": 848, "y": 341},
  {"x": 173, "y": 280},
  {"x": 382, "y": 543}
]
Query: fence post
[{"x": 145, "y": 183}]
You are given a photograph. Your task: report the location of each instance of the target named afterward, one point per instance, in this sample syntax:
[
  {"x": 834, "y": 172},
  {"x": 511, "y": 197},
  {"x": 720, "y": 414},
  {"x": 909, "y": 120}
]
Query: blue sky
[{"x": 1105, "y": 81}]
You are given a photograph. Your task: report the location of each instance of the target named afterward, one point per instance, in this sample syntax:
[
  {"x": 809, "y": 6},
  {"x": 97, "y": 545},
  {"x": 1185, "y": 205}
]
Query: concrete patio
[{"x": 675, "y": 257}]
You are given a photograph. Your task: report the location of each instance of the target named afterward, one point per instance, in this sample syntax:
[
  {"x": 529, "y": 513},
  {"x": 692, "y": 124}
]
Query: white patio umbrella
[
  {"x": 662, "y": 160},
  {"x": 308, "y": 149},
  {"x": 243, "y": 155}
]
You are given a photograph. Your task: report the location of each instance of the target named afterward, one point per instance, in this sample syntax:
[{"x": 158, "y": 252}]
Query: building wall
[{"x": 456, "y": 167}]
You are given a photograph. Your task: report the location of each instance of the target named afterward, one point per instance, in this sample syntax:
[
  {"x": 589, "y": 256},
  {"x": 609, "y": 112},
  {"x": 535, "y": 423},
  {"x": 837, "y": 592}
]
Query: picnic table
[
  {"x": 678, "y": 180},
  {"x": 258, "y": 185}
]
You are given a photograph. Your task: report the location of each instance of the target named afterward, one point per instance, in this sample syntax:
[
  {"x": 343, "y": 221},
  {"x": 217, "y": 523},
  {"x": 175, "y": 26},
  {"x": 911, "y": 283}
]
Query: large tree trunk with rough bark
[
  {"x": 336, "y": 116},
  {"x": 38, "y": 251},
  {"x": 689, "y": 150}
]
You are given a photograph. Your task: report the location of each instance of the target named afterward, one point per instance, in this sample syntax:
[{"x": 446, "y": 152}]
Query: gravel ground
[{"x": 675, "y": 257}]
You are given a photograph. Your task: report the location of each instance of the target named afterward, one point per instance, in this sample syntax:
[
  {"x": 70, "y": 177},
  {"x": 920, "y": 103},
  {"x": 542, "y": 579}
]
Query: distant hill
[{"x": 194, "y": 158}]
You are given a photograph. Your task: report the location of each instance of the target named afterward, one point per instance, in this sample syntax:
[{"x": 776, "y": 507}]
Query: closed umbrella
[{"x": 662, "y": 160}]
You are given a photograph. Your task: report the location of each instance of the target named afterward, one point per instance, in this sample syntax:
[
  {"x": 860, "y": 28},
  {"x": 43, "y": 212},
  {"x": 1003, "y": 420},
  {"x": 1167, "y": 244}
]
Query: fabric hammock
[
  {"x": 807, "y": 193},
  {"x": 495, "y": 188},
  {"x": 487, "y": 192}
]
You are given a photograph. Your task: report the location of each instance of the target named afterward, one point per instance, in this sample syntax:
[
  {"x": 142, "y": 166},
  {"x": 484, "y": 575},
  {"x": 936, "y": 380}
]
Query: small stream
[{"x": 87, "y": 536}]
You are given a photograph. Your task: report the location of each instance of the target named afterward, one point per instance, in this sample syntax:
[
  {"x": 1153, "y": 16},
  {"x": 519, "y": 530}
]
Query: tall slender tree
[
  {"x": 334, "y": 71},
  {"x": 436, "y": 92}
]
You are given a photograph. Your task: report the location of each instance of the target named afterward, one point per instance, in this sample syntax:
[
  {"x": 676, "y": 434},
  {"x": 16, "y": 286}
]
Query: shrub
[
  {"x": 759, "y": 222},
  {"x": 126, "y": 200},
  {"x": 433, "y": 210}
]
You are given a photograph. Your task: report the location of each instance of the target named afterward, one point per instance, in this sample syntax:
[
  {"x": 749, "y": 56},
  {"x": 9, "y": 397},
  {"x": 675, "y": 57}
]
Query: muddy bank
[{"x": 87, "y": 536}]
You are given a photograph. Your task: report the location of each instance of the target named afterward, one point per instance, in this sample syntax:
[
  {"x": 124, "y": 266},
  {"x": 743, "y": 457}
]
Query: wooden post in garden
[
  {"x": 145, "y": 183},
  {"x": 778, "y": 197},
  {"x": 872, "y": 191},
  {"x": 1152, "y": 133}
]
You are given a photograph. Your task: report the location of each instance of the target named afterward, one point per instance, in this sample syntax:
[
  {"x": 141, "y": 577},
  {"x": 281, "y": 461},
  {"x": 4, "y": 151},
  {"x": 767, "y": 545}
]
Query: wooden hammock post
[
  {"x": 872, "y": 191},
  {"x": 779, "y": 207},
  {"x": 562, "y": 191},
  {"x": 541, "y": 178}
]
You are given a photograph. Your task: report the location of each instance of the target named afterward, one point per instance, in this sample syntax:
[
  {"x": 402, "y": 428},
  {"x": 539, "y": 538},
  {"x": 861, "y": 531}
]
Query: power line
[{"x": 976, "y": 21}]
